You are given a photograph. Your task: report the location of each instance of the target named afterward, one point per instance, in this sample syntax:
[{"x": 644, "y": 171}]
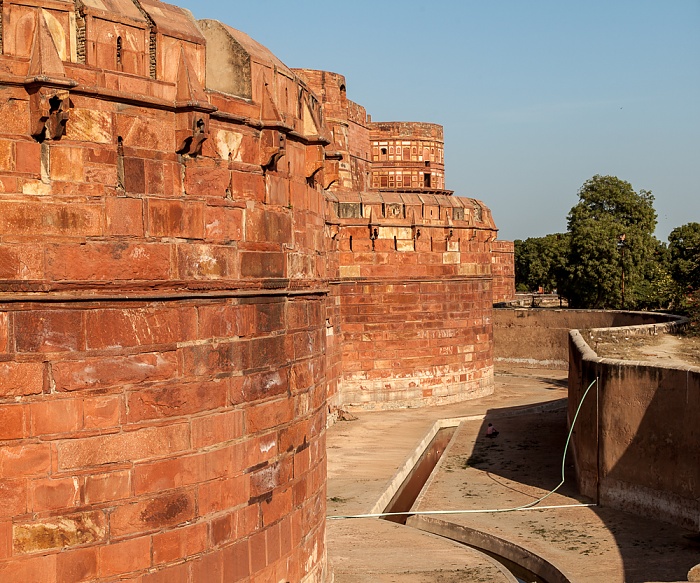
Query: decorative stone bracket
[
  {"x": 273, "y": 145},
  {"x": 49, "y": 112},
  {"x": 192, "y": 111},
  {"x": 331, "y": 168},
  {"x": 315, "y": 159},
  {"x": 192, "y": 131},
  {"x": 47, "y": 86}
]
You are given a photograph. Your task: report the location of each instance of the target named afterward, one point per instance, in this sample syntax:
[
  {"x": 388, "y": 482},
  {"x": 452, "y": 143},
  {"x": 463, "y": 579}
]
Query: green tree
[
  {"x": 684, "y": 250},
  {"x": 612, "y": 245},
  {"x": 540, "y": 262}
]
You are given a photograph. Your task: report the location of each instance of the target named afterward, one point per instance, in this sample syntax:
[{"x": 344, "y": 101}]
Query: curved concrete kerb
[{"x": 487, "y": 542}]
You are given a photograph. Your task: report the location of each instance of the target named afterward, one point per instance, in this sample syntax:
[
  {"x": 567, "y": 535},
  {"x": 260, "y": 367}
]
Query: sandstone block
[
  {"x": 206, "y": 262},
  {"x": 40, "y": 569},
  {"x": 168, "y": 474},
  {"x": 102, "y": 412},
  {"x": 223, "y": 224},
  {"x": 267, "y": 415},
  {"x": 236, "y": 561},
  {"x": 89, "y": 125},
  {"x": 175, "y": 401},
  {"x": 121, "y": 328},
  {"x": 36, "y": 219},
  {"x": 28, "y": 158},
  {"x": 207, "y": 181},
  {"x": 56, "y": 416},
  {"x": 66, "y": 163},
  {"x": 76, "y": 566},
  {"x": 217, "y": 429},
  {"x": 262, "y": 265},
  {"x": 153, "y": 513},
  {"x": 53, "y": 494},
  {"x": 124, "y": 216},
  {"x": 134, "y": 175},
  {"x": 209, "y": 567},
  {"x": 181, "y": 542},
  {"x": 220, "y": 495},
  {"x": 13, "y": 499},
  {"x": 59, "y": 533},
  {"x": 109, "y": 487},
  {"x": 143, "y": 444},
  {"x": 263, "y": 224},
  {"x": 124, "y": 557},
  {"x": 117, "y": 371},
  {"x": 173, "y": 218},
  {"x": 173, "y": 574},
  {"x": 12, "y": 422},
  {"x": 21, "y": 262},
  {"x": 33, "y": 459}
]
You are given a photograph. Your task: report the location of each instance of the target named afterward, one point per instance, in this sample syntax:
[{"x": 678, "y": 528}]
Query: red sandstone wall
[
  {"x": 162, "y": 317},
  {"x": 348, "y": 125},
  {"x": 503, "y": 271},
  {"x": 408, "y": 157},
  {"x": 415, "y": 299}
]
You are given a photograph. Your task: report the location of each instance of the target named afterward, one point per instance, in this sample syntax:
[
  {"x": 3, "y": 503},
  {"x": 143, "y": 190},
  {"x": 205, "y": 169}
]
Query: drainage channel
[{"x": 411, "y": 487}]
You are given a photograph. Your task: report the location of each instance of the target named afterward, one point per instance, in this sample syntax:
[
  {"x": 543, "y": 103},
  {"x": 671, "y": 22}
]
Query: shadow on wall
[{"x": 637, "y": 445}]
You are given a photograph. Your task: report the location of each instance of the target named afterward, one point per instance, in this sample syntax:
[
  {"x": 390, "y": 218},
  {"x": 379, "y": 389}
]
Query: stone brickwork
[
  {"x": 162, "y": 303},
  {"x": 408, "y": 157},
  {"x": 414, "y": 289},
  {"x": 194, "y": 273},
  {"x": 503, "y": 271}
]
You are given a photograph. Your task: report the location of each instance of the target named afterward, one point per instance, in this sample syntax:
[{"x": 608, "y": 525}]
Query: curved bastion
[{"x": 195, "y": 275}]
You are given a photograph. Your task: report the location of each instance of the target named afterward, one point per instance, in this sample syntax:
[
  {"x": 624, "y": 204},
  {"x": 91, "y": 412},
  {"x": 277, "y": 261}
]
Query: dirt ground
[{"x": 669, "y": 349}]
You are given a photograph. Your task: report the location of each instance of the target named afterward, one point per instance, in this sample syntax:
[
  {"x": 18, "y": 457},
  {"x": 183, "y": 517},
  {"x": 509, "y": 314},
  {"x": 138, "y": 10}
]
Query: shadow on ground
[{"x": 527, "y": 454}]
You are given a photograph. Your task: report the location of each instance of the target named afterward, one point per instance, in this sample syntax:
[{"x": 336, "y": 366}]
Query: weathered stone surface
[
  {"x": 179, "y": 265},
  {"x": 61, "y": 533}
]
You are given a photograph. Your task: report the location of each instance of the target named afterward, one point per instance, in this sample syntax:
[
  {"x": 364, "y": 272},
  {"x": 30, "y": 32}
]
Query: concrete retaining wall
[
  {"x": 636, "y": 438},
  {"x": 533, "y": 337}
]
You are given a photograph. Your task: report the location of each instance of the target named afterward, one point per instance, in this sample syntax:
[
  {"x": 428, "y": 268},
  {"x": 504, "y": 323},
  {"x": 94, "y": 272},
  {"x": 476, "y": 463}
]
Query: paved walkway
[{"x": 523, "y": 463}]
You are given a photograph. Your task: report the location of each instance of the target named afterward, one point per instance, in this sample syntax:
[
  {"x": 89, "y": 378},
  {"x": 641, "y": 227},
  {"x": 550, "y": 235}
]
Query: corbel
[
  {"x": 331, "y": 168},
  {"x": 192, "y": 110},
  {"x": 49, "y": 107},
  {"x": 314, "y": 161},
  {"x": 273, "y": 145},
  {"x": 47, "y": 86}
]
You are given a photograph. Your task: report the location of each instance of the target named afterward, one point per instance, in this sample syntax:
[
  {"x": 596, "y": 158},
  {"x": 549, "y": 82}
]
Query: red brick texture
[
  {"x": 194, "y": 278},
  {"x": 164, "y": 441},
  {"x": 413, "y": 299},
  {"x": 162, "y": 311},
  {"x": 503, "y": 271}
]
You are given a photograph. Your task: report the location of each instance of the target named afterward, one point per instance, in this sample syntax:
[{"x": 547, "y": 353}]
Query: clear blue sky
[{"x": 536, "y": 96}]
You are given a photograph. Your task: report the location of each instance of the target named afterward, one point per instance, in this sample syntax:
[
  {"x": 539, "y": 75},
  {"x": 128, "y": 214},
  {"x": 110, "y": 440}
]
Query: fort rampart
[{"x": 195, "y": 273}]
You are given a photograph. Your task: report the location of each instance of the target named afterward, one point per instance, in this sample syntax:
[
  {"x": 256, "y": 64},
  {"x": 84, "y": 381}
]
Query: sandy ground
[
  {"x": 666, "y": 349},
  {"x": 522, "y": 464}
]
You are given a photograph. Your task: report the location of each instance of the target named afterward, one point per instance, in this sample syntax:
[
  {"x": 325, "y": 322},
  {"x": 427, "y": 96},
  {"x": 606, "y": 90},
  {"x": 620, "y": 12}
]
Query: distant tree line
[{"x": 609, "y": 257}]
